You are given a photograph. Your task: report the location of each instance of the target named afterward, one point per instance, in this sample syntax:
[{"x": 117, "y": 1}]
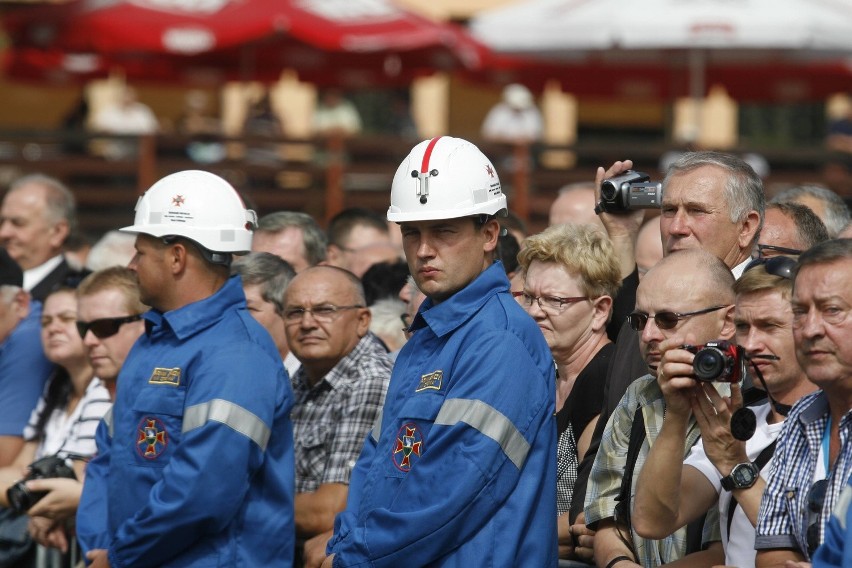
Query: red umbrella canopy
[{"x": 331, "y": 40}]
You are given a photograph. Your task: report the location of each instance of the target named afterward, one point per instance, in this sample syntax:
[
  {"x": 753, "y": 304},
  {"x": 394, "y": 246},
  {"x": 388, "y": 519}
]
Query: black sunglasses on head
[
  {"x": 775, "y": 265},
  {"x": 106, "y": 327}
]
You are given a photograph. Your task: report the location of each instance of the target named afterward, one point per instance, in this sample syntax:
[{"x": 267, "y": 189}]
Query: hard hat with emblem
[
  {"x": 445, "y": 178},
  {"x": 199, "y": 206}
]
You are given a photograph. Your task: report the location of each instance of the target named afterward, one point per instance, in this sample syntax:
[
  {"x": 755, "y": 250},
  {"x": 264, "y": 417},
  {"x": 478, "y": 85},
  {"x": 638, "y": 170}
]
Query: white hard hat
[
  {"x": 199, "y": 206},
  {"x": 517, "y": 96},
  {"x": 445, "y": 178}
]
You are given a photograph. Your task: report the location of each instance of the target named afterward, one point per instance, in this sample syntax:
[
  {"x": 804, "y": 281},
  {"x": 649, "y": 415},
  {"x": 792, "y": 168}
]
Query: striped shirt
[
  {"x": 611, "y": 460},
  {"x": 72, "y": 433},
  {"x": 784, "y": 516},
  {"x": 332, "y": 418}
]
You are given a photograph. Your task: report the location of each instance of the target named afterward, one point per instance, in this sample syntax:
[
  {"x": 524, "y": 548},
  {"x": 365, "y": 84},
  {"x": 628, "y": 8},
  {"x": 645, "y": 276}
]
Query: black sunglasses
[
  {"x": 776, "y": 265},
  {"x": 106, "y": 327},
  {"x": 763, "y": 249},
  {"x": 816, "y": 499},
  {"x": 664, "y": 320}
]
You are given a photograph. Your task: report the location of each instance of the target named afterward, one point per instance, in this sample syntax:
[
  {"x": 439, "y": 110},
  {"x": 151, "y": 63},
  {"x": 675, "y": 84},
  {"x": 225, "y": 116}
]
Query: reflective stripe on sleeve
[
  {"x": 229, "y": 414},
  {"x": 376, "y": 432},
  {"x": 489, "y": 422},
  {"x": 107, "y": 418}
]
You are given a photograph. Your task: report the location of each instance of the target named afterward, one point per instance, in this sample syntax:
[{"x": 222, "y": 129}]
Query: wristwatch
[{"x": 743, "y": 476}]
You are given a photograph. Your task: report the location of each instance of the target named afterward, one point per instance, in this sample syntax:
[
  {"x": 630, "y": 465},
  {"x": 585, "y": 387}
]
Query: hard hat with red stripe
[{"x": 445, "y": 178}]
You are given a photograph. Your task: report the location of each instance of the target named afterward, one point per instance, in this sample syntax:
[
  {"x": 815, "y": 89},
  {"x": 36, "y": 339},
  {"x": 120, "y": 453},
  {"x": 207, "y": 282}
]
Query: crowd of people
[{"x": 433, "y": 386}]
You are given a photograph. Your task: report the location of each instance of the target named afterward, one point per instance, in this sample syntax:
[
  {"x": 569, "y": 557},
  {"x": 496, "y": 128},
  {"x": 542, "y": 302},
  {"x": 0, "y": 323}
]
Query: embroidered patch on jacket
[
  {"x": 431, "y": 380},
  {"x": 409, "y": 444},
  {"x": 162, "y": 376},
  {"x": 152, "y": 439}
]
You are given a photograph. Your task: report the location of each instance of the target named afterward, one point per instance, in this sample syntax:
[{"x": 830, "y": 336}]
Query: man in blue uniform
[
  {"x": 195, "y": 464},
  {"x": 460, "y": 470}
]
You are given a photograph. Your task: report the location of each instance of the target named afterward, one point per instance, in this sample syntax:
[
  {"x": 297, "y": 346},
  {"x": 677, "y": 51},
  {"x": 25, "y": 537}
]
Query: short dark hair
[
  {"x": 342, "y": 224},
  {"x": 825, "y": 252},
  {"x": 810, "y": 229}
]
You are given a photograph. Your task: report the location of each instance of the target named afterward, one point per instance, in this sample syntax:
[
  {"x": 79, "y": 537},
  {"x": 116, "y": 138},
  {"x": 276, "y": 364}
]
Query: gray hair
[
  {"x": 60, "y": 202},
  {"x": 312, "y": 236},
  {"x": 836, "y": 211},
  {"x": 270, "y": 272},
  {"x": 8, "y": 293},
  {"x": 743, "y": 188},
  {"x": 113, "y": 249}
]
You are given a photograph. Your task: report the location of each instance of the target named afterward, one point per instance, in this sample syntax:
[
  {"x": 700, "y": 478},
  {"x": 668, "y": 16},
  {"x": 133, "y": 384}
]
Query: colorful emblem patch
[
  {"x": 152, "y": 439},
  {"x": 162, "y": 376},
  {"x": 431, "y": 380},
  {"x": 178, "y": 200},
  {"x": 409, "y": 444}
]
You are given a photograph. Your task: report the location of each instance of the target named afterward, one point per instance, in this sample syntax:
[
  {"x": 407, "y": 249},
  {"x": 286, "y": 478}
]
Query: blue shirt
[
  {"x": 24, "y": 369},
  {"x": 196, "y": 459},
  {"x": 460, "y": 470},
  {"x": 834, "y": 553}
]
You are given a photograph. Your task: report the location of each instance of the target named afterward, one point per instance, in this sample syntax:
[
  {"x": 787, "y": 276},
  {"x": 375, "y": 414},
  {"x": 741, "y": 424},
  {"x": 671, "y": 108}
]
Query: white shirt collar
[{"x": 35, "y": 275}]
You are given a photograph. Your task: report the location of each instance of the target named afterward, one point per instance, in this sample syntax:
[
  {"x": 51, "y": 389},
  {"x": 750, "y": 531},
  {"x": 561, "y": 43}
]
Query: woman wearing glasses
[
  {"x": 571, "y": 275},
  {"x": 64, "y": 420}
]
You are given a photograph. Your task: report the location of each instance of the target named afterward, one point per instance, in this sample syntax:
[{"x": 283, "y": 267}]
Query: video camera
[{"x": 629, "y": 190}]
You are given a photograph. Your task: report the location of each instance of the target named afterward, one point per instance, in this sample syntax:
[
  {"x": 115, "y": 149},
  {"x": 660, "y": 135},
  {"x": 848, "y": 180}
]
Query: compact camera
[
  {"x": 49, "y": 467},
  {"x": 719, "y": 361},
  {"x": 630, "y": 190}
]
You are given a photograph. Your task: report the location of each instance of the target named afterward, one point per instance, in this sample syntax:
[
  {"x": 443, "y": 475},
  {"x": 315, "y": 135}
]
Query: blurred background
[{"x": 310, "y": 105}]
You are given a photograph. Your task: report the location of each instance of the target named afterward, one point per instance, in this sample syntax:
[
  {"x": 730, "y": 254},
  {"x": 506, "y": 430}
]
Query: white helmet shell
[
  {"x": 445, "y": 178},
  {"x": 199, "y": 206}
]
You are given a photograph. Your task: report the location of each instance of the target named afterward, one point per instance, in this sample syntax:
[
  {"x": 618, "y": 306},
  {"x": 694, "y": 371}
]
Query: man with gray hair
[
  {"x": 293, "y": 236},
  {"x": 265, "y": 279},
  {"x": 828, "y": 206},
  {"x": 36, "y": 217},
  {"x": 23, "y": 366}
]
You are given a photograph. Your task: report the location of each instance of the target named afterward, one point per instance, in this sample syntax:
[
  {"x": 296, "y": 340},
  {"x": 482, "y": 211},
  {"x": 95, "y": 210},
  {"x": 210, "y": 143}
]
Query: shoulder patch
[
  {"x": 431, "y": 380},
  {"x": 162, "y": 376}
]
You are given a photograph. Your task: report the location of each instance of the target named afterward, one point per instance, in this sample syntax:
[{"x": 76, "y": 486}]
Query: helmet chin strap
[{"x": 743, "y": 421}]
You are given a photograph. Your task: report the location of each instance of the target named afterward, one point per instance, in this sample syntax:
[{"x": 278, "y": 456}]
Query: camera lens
[
  {"x": 608, "y": 190},
  {"x": 709, "y": 364}
]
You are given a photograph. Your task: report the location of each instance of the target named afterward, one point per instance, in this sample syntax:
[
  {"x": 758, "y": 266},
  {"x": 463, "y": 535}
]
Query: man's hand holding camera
[
  {"x": 675, "y": 376},
  {"x": 622, "y": 226}
]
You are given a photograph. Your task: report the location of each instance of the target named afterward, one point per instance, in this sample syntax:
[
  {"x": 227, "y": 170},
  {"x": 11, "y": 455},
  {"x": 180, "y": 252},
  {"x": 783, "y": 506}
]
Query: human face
[
  {"x": 107, "y": 355},
  {"x": 287, "y": 243},
  {"x": 695, "y": 214},
  {"x": 569, "y": 328},
  {"x": 151, "y": 268},
  {"x": 59, "y": 337},
  {"x": 446, "y": 255},
  {"x": 320, "y": 344},
  {"x": 764, "y": 327},
  {"x": 779, "y": 231},
  {"x": 660, "y": 292},
  {"x": 30, "y": 237},
  {"x": 267, "y": 316},
  {"x": 822, "y": 324}
]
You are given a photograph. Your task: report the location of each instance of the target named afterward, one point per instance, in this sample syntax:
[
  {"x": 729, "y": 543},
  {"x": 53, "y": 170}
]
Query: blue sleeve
[
  {"x": 23, "y": 372},
  {"x": 463, "y": 477},
  {"x": 834, "y": 553},
  {"x": 92, "y": 529},
  {"x": 346, "y": 519},
  {"x": 207, "y": 478}
]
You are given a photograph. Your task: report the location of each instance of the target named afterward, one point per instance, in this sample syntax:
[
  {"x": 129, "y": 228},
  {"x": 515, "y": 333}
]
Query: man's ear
[
  {"x": 728, "y": 327},
  {"x": 21, "y": 304},
  {"x": 364, "y": 319},
  {"x": 332, "y": 255},
  {"x": 59, "y": 233},
  {"x": 177, "y": 256},
  {"x": 749, "y": 229},
  {"x": 491, "y": 230}
]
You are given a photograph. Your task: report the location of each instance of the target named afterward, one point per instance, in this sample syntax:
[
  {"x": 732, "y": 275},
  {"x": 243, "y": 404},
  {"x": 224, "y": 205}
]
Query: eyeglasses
[
  {"x": 816, "y": 499},
  {"x": 547, "y": 303},
  {"x": 769, "y": 251},
  {"x": 664, "y": 320},
  {"x": 105, "y": 327},
  {"x": 776, "y": 265},
  {"x": 324, "y": 313}
]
